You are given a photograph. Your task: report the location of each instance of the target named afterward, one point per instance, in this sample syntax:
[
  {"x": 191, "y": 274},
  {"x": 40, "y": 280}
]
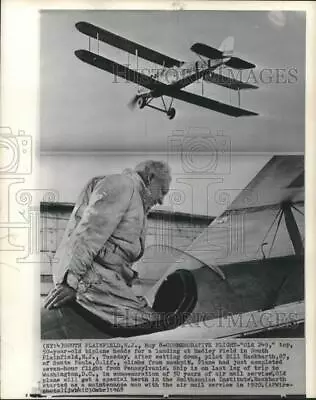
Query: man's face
[{"x": 158, "y": 187}]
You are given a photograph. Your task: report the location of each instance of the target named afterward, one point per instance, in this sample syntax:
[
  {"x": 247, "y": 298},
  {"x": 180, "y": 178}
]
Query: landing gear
[
  {"x": 143, "y": 101},
  {"x": 171, "y": 113}
]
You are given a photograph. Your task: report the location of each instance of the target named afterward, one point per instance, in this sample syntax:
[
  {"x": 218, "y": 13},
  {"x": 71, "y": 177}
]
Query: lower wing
[
  {"x": 208, "y": 103},
  {"x": 117, "y": 69}
]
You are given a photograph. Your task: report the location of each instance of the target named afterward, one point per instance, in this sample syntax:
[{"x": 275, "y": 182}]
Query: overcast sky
[{"x": 83, "y": 110}]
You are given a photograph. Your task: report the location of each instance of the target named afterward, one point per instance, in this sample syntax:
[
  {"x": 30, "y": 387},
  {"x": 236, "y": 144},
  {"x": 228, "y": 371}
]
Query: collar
[{"x": 142, "y": 188}]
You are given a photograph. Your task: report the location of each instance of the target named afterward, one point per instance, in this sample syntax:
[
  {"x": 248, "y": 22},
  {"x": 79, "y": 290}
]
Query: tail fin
[{"x": 227, "y": 46}]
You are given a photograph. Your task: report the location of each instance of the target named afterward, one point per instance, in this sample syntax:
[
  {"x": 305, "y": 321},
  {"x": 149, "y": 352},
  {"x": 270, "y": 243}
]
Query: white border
[{"x": 19, "y": 110}]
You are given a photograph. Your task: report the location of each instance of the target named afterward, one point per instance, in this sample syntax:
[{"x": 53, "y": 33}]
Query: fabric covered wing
[
  {"x": 281, "y": 179},
  {"x": 126, "y": 45},
  {"x": 117, "y": 69},
  {"x": 237, "y": 234},
  {"x": 208, "y": 103}
]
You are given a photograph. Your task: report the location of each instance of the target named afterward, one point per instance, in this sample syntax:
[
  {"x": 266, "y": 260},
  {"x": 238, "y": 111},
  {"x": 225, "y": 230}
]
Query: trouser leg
[{"x": 66, "y": 323}]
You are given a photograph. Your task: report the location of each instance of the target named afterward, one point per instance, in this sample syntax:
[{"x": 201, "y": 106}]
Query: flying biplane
[{"x": 174, "y": 75}]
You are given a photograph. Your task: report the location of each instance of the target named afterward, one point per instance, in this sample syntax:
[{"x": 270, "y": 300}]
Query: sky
[{"x": 82, "y": 109}]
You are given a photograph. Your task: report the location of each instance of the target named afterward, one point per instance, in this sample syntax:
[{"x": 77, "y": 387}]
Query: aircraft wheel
[
  {"x": 171, "y": 113},
  {"x": 141, "y": 102}
]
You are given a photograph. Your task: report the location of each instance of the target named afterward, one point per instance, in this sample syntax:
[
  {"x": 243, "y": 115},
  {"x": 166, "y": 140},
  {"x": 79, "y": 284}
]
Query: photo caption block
[{"x": 219, "y": 366}]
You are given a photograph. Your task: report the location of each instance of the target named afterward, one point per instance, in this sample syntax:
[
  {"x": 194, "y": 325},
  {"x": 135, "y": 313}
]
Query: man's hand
[{"x": 59, "y": 295}]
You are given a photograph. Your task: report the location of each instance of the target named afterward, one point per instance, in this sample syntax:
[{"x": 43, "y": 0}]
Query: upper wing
[
  {"x": 207, "y": 103},
  {"x": 250, "y": 215},
  {"x": 280, "y": 180},
  {"x": 228, "y": 82},
  {"x": 126, "y": 45}
]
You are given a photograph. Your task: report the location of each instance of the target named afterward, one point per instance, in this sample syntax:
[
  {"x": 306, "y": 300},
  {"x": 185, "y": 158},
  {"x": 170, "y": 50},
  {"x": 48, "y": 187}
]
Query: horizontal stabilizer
[
  {"x": 228, "y": 82},
  {"x": 238, "y": 63},
  {"x": 206, "y": 51}
]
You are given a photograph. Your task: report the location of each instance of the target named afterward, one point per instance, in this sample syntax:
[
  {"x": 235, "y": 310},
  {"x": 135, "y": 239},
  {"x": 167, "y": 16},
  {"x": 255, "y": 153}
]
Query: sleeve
[{"x": 106, "y": 207}]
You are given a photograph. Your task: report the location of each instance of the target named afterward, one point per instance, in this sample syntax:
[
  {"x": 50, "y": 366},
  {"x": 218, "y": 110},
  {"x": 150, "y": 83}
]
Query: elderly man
[{"x": 92, "y": 269}]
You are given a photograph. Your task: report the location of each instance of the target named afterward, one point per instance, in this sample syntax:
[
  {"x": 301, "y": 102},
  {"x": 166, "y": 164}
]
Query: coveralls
[{"x": 105, "y": 235}]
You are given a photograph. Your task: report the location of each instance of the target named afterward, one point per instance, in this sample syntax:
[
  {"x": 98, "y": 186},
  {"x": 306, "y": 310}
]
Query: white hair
[{"x": 160, "y": 169}]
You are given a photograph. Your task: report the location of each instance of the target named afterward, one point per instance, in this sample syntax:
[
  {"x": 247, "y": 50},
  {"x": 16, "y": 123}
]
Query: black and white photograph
[
  {"x": 169, "y": 237},
  {"x": 177, "y": 155}
]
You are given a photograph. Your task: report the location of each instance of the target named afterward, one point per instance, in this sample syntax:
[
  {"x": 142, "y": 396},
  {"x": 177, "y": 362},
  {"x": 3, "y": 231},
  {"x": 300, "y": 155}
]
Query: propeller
[{"x": 133, "y": 102}]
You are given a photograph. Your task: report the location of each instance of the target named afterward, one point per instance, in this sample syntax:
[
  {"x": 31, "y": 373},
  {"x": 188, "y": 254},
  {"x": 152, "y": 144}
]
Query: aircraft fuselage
[{"x": 180, "y": 76}]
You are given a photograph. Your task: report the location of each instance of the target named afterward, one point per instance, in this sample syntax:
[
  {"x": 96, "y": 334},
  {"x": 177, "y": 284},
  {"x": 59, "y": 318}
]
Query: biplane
[
  {"x": 243, "y": 275},
  {"x": 173, "y": 75}
]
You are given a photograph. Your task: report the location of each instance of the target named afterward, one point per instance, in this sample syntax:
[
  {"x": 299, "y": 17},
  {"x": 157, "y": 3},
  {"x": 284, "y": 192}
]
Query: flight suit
[{"x": 104, "y": 237}]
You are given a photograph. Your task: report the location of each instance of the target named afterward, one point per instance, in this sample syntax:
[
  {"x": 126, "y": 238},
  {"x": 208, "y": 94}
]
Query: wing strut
[
  {"x": 136, "y": 53},
  {"x": 281, "y": 212},
  {"x": 292, "y": 228},
  {"x": 168, "y": 110}
]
